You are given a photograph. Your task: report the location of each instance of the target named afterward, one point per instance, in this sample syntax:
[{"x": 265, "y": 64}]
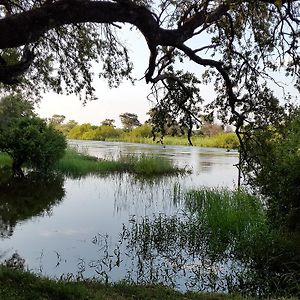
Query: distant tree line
[{"x": 131, "y": 127}]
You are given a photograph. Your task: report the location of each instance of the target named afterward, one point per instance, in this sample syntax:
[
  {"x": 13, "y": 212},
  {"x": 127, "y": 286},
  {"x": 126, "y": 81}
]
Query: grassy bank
[
  {"x": 15, "y": 285},
  {"x": 222, "y": 140}
]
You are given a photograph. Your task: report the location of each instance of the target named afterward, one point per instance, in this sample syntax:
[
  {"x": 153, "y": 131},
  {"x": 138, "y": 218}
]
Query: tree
[
  {"x": 238, "y": 44},
  {"x": 67, "y": 127},
  {"x": 13, "y": 107},
  {"x": 108, "y": 122},
  {"x": 129, "y": 121},
  {"x": 56, "y": 120}
]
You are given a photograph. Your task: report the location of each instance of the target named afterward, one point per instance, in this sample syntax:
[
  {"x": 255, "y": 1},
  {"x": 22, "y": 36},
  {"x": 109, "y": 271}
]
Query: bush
[
  {"x": 30, "y": 141},
  {"x": 275, "y": 155}
]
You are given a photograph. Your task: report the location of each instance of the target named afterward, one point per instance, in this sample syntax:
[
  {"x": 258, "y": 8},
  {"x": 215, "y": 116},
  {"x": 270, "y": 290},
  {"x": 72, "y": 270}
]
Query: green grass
[
  {"x": 79, "y": 164},
  {"x": 227, "y": 212},
  {"x": 217, "y": 226},
  {"x": 222, "y": 140},
  {"x": 17, "y": 285},
  {"x": 76, "y": 164}
]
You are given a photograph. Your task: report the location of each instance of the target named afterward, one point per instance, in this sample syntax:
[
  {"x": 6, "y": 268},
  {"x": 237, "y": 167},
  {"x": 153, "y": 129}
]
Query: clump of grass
[
  {"x": 79, "y": 164},
  {"x": 226, "y": 212},
  {"x": 75, "y": 163},
  {"x": 151, "y": 165}
]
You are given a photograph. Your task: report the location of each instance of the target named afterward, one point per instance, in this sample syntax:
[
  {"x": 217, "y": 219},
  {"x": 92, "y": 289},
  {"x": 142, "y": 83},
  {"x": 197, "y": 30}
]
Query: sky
[{"x": 111, "y": 102}]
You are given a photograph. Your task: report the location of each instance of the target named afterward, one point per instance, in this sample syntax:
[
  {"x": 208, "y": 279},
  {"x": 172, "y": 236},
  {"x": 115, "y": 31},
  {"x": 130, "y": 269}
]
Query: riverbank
[
  {"x": 17, "y": 285},
  {"x": 222, "y": 140}
]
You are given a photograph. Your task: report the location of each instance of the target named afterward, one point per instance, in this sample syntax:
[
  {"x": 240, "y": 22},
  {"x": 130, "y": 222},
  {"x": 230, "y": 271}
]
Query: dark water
[{"x": 64, "y": 226}]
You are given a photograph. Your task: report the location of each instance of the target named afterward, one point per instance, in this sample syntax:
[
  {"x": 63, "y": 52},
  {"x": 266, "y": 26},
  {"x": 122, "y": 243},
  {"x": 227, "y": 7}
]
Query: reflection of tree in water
[{"x": 24, "y": 198}]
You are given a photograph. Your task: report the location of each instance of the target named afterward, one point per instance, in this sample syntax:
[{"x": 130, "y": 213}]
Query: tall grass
[
  {"x": 231, "y": 219},
  {"x": 151, "y": 165},
  {"x": 79, "y": 164},
  {"x": 226, "y": 212},
  {"x": 226, "y": 232}
]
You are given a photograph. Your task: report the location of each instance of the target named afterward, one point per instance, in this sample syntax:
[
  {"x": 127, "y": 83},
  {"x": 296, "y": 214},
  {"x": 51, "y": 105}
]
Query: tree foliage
[
  {"x": 237, "y": 45},
  {"x": 108, "y": 122},
  {"x": 274, "y": 155},
  {"x": 129, "y": 121},
  {"x": 27, "y": 138}
]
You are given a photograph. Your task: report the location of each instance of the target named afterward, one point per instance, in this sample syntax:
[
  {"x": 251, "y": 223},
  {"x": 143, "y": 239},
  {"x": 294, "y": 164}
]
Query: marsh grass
[
  {"x": 227, "y": 216},
  {"x": 151, "y": 165},
  {"x": 222, "y": 239},
  {"x": 75, "y": 163}
]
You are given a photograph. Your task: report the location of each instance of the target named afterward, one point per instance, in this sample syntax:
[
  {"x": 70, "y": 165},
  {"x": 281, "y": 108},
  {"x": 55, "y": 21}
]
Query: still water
[{"x": 74, "y": 226}]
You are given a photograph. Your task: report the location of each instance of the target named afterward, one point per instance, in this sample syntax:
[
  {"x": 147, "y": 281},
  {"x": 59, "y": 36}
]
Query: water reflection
[
  {"x": 23, "y": 198},
  {"x": 86, "y": 228}
]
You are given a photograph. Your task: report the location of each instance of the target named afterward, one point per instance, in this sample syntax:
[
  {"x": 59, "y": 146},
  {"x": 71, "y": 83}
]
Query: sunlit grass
[{"x": 222, "y": 140}]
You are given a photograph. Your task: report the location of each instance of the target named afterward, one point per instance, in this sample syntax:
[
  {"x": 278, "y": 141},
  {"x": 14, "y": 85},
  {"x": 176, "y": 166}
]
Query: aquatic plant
[{"x": 75, "y": 163}]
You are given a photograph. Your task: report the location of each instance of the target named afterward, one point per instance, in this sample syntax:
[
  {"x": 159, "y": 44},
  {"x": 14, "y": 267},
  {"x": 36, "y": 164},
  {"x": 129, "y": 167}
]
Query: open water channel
[{"x": 77, "y": 227}]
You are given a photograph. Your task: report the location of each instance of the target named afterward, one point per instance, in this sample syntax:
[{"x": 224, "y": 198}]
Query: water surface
[{"x": 76, "y": 229}]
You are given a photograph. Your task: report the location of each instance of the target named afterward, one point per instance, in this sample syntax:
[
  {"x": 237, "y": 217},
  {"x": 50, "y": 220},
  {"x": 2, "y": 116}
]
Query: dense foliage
[
  {"x": 27, "y": 138},
  {"x": 274, "y": 154}
]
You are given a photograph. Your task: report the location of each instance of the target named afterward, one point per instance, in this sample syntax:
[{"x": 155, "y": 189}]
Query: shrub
[
  {"x": 30, "y": 141},
  {"x": 275, "y": 156}
]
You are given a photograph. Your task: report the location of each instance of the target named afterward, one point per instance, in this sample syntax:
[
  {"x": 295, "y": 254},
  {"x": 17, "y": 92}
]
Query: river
[{"x": 71, "y": 227}]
